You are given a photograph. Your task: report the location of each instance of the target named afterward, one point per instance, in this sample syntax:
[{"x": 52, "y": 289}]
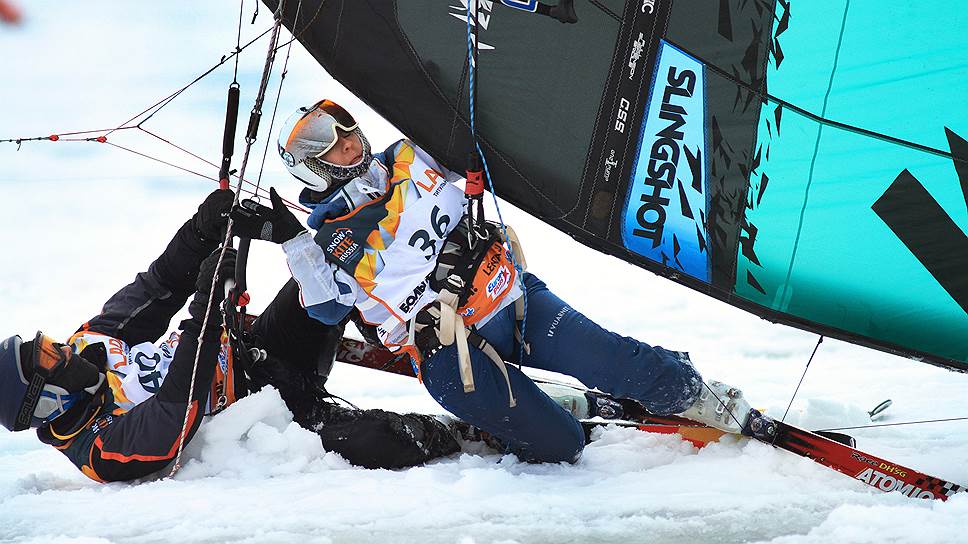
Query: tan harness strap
[
  {"x": 452, "y": 330},
  {"x": 512, "y": 240},
  {"x": 493, "y": 355}
]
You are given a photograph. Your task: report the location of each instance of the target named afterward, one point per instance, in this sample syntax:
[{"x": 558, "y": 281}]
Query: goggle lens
[
  {"x": 342, "y": 117},
  {"x": 319, "y": 125},
  {"x": 48, "y": 354}
]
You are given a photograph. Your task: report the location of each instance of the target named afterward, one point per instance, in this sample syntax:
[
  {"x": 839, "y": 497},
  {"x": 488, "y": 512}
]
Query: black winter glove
[
  {"x": 206, "y": 274},
  {"x": 209, "y": 222},
  {"x": 276, "y": 224}
]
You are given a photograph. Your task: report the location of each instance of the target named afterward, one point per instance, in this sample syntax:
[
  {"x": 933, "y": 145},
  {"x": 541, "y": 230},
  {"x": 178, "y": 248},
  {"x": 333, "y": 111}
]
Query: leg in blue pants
[
  {"x": 537, "y": 429},
  {"x": 565, "y": 341}
]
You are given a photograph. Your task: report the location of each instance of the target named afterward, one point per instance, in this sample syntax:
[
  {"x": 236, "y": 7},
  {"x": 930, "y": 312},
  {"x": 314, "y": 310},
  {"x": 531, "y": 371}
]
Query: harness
[
  {"x": 229, "y": 383},
  {"x": 461, "y": 279}
]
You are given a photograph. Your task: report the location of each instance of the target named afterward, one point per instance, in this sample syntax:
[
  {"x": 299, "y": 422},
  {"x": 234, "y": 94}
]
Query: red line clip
[{"x": 475, "y": 183}]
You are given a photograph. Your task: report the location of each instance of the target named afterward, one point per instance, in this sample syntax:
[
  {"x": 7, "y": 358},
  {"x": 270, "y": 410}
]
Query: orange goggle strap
[{"x": 45, "y": 359}]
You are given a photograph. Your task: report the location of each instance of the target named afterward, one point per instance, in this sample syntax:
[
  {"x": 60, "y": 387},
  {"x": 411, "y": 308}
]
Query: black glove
[
  {"x": 276, "y": 224},
  {"x": 206, "y": 274},
  {"x": 427, "y": 328},
  {"x": 209, "y": 222}
]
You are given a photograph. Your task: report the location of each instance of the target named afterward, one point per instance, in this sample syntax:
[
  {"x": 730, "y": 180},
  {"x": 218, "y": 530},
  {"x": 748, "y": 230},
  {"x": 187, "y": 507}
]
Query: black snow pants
[{"x": 301, "y": 352}]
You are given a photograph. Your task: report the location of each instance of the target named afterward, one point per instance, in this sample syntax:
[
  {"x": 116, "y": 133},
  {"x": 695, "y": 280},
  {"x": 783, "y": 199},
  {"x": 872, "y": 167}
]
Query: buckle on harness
[{"x": 440, "y": 325}]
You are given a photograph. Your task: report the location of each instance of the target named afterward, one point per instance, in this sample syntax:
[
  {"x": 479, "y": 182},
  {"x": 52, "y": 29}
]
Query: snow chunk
[{"x": 255, "y": 438}]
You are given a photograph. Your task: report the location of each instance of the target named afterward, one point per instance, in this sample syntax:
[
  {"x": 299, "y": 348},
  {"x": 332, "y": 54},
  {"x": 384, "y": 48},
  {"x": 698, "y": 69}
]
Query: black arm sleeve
[{"x": 142, "y": 310}]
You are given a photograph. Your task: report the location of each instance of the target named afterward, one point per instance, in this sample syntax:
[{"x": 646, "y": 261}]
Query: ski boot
[
  {"x": 582, "y": 404},
  {"x": 720, "y": 406}
]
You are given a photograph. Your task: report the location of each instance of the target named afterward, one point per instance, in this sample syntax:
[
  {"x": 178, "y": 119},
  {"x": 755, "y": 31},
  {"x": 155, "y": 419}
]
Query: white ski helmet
[{"x": 312, "y": 131}]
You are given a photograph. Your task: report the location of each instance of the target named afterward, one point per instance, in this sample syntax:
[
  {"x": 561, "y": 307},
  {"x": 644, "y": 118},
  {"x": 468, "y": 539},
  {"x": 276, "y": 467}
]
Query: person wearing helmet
[
  {"x": 393, "y": 243},
  {"x": 312, "y": 132},
  {"x": 110, "y": 398},
  {"x": 113, "y": 398}
]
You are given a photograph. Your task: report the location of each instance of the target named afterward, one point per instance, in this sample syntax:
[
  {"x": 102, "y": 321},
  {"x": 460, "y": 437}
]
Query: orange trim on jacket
[{"x": 121, "y": 458}]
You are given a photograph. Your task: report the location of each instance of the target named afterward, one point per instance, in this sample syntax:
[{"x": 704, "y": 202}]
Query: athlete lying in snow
[
  {"x": 394, "y": 244},
  {"x": 113, "y": 398}
]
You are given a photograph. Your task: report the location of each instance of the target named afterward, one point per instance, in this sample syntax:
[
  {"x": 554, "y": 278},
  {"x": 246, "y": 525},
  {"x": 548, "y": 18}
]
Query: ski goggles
[
  {"x": 48, "y": 354},
  {"x": 311, "y": 132}
]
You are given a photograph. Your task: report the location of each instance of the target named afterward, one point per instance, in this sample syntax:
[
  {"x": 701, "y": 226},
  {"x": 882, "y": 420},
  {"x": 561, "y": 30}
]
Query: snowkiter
[
  {"x": 392, "y": 240},
  {"x": 113, "y": 398}
]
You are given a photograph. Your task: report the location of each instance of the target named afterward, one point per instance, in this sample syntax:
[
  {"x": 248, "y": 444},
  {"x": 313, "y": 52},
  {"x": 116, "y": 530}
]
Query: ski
[
  {"x": 870, "y": 469},
  {"x": 832, "y": 450}
]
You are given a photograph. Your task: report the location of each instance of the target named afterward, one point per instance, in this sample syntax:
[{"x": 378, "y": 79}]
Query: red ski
[{"x": 832, "y": 450}]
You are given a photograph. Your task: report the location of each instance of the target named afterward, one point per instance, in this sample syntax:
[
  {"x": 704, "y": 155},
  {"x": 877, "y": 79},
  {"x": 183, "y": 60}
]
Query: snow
[{"x": 78, "y": 220}]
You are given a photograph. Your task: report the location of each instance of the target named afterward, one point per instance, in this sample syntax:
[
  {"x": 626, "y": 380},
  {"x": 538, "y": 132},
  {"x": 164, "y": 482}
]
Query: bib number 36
[{"x": 428, "y": 243}]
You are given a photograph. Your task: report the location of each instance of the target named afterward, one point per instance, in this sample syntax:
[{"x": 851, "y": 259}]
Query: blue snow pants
[{"x": 562, "y": 340}]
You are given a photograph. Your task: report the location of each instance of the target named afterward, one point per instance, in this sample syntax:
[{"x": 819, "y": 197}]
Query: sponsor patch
[
  {"x": 407, "y": 305},
  {"x": 223, "y": 360},
  {"x": 637, "y": 46},
  {"x": 499, "y": 283},
  {"x": 342, "y": 246},
  {"x": 286, "y": 156},
  {"x": 101, "y": 423}
]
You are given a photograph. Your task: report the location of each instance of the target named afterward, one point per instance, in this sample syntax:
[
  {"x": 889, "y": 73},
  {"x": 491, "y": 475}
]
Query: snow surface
[{"x": 78, "y": 220}]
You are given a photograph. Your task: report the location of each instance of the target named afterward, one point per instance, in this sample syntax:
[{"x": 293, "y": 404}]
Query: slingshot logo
[
  {"x": 483, "y": 10},
  {"x": 664, "y": 155},
  {"x": 666, "y": 204}
]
